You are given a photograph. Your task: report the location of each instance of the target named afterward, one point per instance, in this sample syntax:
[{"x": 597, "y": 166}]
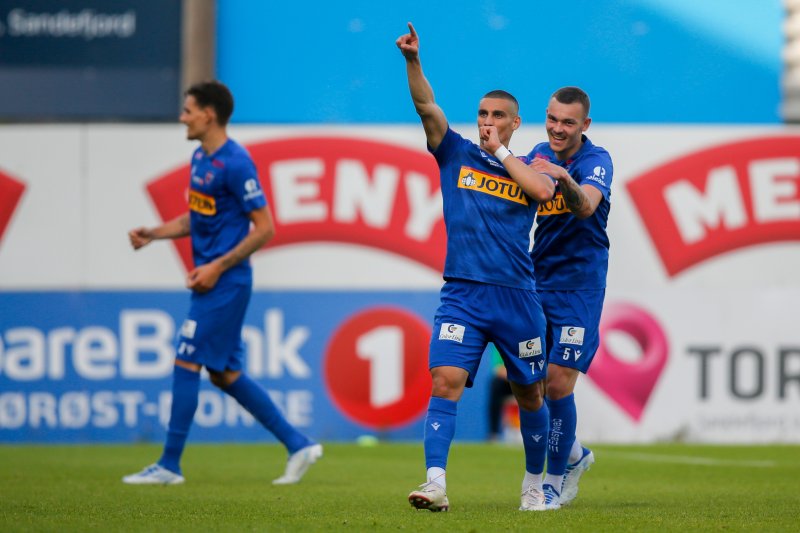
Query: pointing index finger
[{"x": 412, "y": 30}]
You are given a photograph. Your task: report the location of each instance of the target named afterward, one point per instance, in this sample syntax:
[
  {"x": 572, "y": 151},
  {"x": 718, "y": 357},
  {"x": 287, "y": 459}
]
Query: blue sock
[
  {"x": 533, "y": 426},
  {"x": 185, "y": 387},
  {"x": 440, "y": 428},
  {"x": 563, "y": 423},
  {"x": 255, "y": 399}
]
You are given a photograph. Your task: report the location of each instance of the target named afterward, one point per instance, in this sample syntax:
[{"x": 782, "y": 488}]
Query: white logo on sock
[
  {"x": 436, "y": 426},
  {"x": 537, "y": 438}
]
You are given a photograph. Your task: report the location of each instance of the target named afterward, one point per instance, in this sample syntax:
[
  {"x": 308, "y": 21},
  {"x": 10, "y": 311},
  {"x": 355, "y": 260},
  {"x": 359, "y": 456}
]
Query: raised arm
[
  {"x": 432, "y": 116},
  {"x": 581, "y": 200},
  {"x": 173, "y": 229}
]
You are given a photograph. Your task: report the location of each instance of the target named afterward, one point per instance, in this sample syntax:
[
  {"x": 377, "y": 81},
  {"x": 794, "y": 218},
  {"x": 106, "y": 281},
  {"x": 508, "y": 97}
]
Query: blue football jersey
[
  {"x": 571, "y": 253},
  {"x": 487, "y": 216},
  {"x": 224, "y": 189}
]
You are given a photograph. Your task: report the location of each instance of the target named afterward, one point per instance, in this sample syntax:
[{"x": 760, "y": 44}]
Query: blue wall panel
[{"x": 648, "y": 61}]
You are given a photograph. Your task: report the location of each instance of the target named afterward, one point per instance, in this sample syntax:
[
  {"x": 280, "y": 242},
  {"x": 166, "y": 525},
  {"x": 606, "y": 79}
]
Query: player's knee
[
  {"x": 223, "y": 380},
  {"x": 559, "y": 388},
  {"x": 446, "y": 385},
  {"x": 560, "y": 382},
  {"x": 531, "y": 397}
]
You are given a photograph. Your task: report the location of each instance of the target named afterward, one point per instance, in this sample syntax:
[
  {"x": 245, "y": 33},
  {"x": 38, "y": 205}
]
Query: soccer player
[
  {"x": 225, "y": 198},
  {"x": 570, "y": 257},
  {"x": 489, "y": 291}
]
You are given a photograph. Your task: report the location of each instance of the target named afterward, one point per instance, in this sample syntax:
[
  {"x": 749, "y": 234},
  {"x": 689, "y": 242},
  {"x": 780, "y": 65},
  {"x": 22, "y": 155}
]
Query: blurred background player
[
  {"x": 225, "y": 198},
  {"x": 570, "y": 257},
  {"x": 489, "y": 292}
]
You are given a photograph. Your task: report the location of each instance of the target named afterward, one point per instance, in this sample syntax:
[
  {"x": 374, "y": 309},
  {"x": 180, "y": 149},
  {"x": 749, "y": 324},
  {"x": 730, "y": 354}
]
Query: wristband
[{"x": 501, "y": 153}]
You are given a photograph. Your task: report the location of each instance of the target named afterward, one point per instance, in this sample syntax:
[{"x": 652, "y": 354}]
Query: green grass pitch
[{"x": 630, "y": 488}]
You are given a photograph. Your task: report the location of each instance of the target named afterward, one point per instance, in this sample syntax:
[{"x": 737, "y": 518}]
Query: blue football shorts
[
  {"x": 472, "y": 314},
  {"x": 573, "y": 326},
  {"x": 211, "y": 335}
]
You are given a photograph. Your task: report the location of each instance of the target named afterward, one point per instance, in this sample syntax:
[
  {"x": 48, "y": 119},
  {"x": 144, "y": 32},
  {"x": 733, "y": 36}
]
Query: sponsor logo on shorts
[
  {"x": 530, "y": 347},
  {"x": 188, "y": 328},
  {"x": 201, "y": 203},
  {"x": 571, "y": 335},
  {"x": 497, "y": 186},
  {"x": 452, "y": 332}
]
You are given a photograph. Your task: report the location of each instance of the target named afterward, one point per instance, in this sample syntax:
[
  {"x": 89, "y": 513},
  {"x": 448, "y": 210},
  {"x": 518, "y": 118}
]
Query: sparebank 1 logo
[
  {"x": 337, "y": 189},
  {"x": 10, "y": 194},
  {"x": 375, "y": 367},
  {"x": 719, "y": 199}
]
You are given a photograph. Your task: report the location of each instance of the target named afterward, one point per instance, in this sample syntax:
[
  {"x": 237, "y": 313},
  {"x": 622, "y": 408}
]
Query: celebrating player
[
  {"x": 225, "y": 197},
  {"x": 489, "y": 292},
  {"x": 570, "y": 257}
]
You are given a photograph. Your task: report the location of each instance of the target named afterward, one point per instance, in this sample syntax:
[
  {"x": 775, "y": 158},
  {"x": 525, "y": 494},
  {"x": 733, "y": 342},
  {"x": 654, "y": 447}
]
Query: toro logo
[
  {"x": 716, "y": 200},
  {"x": 10, "y": 193},
  {"x": 337, "y": 189}
]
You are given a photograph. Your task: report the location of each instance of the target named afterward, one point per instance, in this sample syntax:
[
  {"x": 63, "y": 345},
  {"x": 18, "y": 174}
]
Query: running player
[
  {"x": 489, "y": 292},
  {"x": 570, "y": 257},
  {"x": 225, "y": 197}
]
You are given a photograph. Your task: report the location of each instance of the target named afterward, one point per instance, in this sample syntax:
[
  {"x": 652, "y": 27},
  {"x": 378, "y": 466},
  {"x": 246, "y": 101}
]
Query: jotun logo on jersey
[
  {"x": 471, "y": 179},
  {"x": 200, "y": 203},
  {"x": 556, "y": 206}
]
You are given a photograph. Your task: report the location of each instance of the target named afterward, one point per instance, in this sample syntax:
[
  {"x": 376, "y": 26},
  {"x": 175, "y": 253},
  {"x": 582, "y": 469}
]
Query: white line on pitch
[{"x": 688, "y": 460}]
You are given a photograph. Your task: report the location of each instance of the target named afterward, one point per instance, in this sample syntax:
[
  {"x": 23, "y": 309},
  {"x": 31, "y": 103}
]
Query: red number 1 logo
[{"x": 376, "y": 367}]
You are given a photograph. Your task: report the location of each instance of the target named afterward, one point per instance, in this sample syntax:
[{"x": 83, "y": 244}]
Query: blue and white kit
[{"x": 570, "y": 257}]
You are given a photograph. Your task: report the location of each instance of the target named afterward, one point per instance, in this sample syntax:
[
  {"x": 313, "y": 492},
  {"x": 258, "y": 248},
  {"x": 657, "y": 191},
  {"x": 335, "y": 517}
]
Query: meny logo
[
  {"x": 716, "y": 200},
  {"x": 337, "y": 189}
]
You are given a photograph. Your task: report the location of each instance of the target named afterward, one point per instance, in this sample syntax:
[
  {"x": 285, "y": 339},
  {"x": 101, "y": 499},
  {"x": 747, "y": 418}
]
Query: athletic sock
[
  {"x": 563, "y": 421},
  {"x": 437, "y": 475},
  {"x": 533, "y": 426},
  {"x": 532, "y": 480},
  {"x": 256, "y": 400},
  {"x": 556, "y": 481},
  {"x": 440, "y": 428},
  {"x": 185, "y": 387},
  {"x": 576, "y": 452}
]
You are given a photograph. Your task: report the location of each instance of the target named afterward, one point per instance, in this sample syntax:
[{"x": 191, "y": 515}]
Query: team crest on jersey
[
  {"x": 201, "y": 203},
  {"x": 451, "y": 332},
  {"x": 556, "y": 206},
  {"x": 571, "y": 335},
  {"x": 474, "y": 180},
  {"x": 530, "y": 348}
]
